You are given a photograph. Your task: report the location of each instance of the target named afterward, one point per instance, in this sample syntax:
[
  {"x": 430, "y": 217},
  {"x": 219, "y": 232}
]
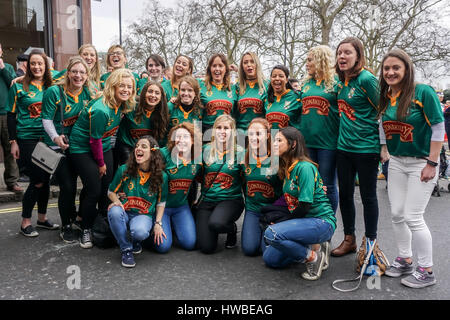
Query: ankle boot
[{"x": 347, "y": 246}]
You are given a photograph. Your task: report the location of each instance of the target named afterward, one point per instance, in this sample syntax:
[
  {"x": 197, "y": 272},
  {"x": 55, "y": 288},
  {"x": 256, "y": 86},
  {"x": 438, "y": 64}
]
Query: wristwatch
[
  {"x": 432, "y": 163},
  {"x": 159, "y": 222}
]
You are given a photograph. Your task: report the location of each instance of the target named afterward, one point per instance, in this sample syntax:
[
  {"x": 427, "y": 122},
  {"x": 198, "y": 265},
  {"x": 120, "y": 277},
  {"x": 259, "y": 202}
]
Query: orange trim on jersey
[
  {"x": 281, "y": 95},
  {"x": 74, "y": 96},
  {"x": 218, "y": 86},
  {"x": 421, "y": 105},
  {"x": 291, "y": 168},
  {"x": 251, "y": 83},
  {"x": 39, "y": 86},
  {"x": 144, "y": 177},
  {"x": 185, "y": 114},
  {"x": 394, "y": 98}
]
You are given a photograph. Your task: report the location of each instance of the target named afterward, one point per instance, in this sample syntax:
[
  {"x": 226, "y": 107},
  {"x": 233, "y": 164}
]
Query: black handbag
[
  {"x": 102, "y": 235},
  {"x": 45, "y": 157},
  {"x": 271, "y": 214}
]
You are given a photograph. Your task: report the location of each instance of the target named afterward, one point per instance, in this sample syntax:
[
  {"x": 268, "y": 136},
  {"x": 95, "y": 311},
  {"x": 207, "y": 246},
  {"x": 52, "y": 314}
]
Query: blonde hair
[
  {"x": 243, "y": 77},
  {"x": 108, "y": 93},
  {"x": 324, "y": 63},
  {"x": 72, "y": 62},
  {"x": 95, "y": 72},
  {"x": 232, "y": 146}
]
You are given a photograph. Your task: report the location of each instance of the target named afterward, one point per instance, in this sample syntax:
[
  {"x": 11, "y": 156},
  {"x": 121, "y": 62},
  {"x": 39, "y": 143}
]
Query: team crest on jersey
[
  {"x": 175, "y": 122},
  {"x": 225, "y": 180},
  {"x": 278, "y": 117},
  {"x": 261, "y": 187},
  {"x": 306, "y": 89},
  {"x": 208, "y": 93},
  {"x": 248, "y": 171},
  {"x": 321, "y": 104},
  {"x": 179, "y": 185},
  {"x": 131, "y": 186},
  {"x": 31, "y": 94},
  {"x": 292, "y": 186},
  {"x": 347, "y": 109},
  {"x": 193, "y": 169},
  {"x": 351, "y": 93},
  {"x": 138, "y": 203},
  {"x": 250, "y": 103},
  {"x": 68, "y": 108},
  {"x": 213, "y": 106},
  {"x": 230, "y": 94},
  {"x": 405, "y": 130},
  {"x": 291, "y": 201},
  {"x": 173, "y": 171},
  {"x": 35, "y": 110},
  {"x": 70, "y": 121}
]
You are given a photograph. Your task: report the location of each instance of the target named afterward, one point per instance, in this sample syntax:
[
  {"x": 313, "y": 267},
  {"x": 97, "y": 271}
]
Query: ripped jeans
[{"x": 289, "y": 241}]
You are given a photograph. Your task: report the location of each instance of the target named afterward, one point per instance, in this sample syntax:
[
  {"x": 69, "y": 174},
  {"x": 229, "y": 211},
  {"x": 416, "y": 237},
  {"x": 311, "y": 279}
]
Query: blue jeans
[
  {"x": 252, "y": 240},
  {"x": 289, "y": 240},
  {"x": 183, "y": 224},
  {"x": 140, "y": 226},
  {"x": 327, "y": 170}
]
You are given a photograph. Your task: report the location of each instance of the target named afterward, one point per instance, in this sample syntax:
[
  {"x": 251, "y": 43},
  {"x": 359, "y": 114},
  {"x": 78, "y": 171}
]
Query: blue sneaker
[
  {"x": 128, "y": 259},
  {"x": 137, "y": 248}
]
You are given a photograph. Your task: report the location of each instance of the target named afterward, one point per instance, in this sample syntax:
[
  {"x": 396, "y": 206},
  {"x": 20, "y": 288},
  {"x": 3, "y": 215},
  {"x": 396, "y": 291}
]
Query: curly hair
[
  {"x": 114, "y": 81},
  {"x": 197, "y": 105},
  {"x": 156, "y": 164},
  {"x": 160, "y": 115},
  {"x": 324, "y": 63}
]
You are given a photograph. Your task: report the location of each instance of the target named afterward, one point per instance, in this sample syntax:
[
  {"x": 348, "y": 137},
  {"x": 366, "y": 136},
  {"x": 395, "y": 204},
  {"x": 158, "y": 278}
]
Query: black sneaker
[
  {"x": 86, "y": 239},
  {"x": 128, "y": 259},
  {"x": 29, "y": 231},
  {"x": 47, "y": 224},
  {"x": 67, "y": 234},
  {"x": 231, "y": 238},
  {"x": 137, "y": 248},
  {"x": 76, "y": 225}
]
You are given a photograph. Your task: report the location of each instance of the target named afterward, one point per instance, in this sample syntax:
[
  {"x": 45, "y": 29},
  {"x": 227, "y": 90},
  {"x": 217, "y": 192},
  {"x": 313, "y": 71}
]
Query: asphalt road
[{"x": 46, "y": 268}]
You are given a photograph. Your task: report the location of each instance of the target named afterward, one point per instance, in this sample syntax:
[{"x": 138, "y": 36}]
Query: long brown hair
[
  {"x": 360, "y": 60},
  {"x": 226, "y": 77},
  {"x": 197, "y": 105},
  {"x": 174, "y": 80},
  {"x": 266, "y": 125},
  {"x": 196, "y": 138},
  {"x": 407, "y": 85},
  {"x": 156, "y": 165},
  {"x": 48, "y": 81},
  {"x": 296, "y": 150},
  {"x": 160, "y": 115}
]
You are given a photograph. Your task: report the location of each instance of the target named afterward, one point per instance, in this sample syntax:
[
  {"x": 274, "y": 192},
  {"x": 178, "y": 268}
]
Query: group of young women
[{"x": 160, "y": 156}]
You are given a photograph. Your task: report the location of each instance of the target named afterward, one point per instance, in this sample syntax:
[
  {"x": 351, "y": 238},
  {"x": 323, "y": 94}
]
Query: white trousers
[{"x": 409, "y": 197}]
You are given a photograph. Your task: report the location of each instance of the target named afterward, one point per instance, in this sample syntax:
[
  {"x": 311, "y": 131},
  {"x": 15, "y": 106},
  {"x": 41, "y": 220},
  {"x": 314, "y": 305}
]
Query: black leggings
[
  {"x": 95, "y": 189},
  {"x": 121, "y": 153},
  {"x": 366, "y": 165},
  {"x": 39, "y": 187},
  {"x": 67, "y": 180},
  {"x": 213, "y": 218}
]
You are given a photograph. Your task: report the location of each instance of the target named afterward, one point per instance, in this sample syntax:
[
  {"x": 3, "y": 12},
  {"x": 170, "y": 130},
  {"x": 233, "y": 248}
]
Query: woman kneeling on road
[
  {"x": 313, "y": 219},
  {"x": 144, "y": 183}
]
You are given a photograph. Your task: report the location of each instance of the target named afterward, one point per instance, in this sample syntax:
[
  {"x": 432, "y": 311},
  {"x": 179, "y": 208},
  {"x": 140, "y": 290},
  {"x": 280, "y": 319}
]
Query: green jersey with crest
[
  {"x": 320, "y": 115},
  {"x": 97, "y": 121},
  {"x": 179, "y": 115},
  {"x": 180, "y": 175},
  {"x": 169, "y": 89},
  {"x": 250, "y": 104},
  {"x": 284, "y": 111},
  {"x": 411, "y": 136},
  {"x": 28, "y": 107},
  {"x": 51, "y": 109},
  {"x": 228, "y": 183},
  {"x": 138, "y": 199},
  {"x": 262, "y": 184},
  {"x": 304, "y": 184},
  {"x": 357, "y": 101},
  {"x": 216, "y": 102}
]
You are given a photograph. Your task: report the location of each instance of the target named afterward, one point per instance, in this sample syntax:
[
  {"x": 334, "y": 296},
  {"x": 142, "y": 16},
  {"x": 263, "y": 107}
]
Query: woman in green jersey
[
  {"x": 183, "y": 163},
  {"x": 143, "y": 184},
  {"x": 320, "y": 116},
  {"x": 25, "y": 131},
  {"x": 72, "y": 94},
  {"x": 411, "y": 135},
  {"x": 90, "y": 56},
  {"x": 251, "y": 91},
  {"x": 116, "y": 59},
  {"x": 154, "y": 65},
  {"x": 215, "y": 91},
  {"x": 221, "y": 202},
  {"x": 358, "y": 146},
  {"x": 183, "y": 66},
  {"x": 313, "y": 219},
  {"x": 262, "y": 184},
  {"x": 282, "y": 105},
  {"x": 151, "y": 117},
  {"x": 90, "y": 145}
]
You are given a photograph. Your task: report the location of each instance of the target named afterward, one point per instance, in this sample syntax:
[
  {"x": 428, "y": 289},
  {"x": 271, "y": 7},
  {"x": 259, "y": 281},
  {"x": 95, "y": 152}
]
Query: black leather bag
[
  {"x": 273, "y": 214},
  {"x": 102, "y": 235}
]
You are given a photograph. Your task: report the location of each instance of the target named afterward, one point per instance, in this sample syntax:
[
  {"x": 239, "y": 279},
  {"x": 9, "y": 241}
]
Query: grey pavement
[{"x": 46, "y": 268}]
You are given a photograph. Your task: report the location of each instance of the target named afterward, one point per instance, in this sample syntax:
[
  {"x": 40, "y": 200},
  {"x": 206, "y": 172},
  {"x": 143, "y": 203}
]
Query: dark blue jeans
[{"x": 327, "y": 170}]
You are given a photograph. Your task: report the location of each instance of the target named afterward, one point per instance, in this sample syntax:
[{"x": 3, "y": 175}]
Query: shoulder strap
[
  {"x": 63, "y": 105},
  {"x": 360, "y": 277}
]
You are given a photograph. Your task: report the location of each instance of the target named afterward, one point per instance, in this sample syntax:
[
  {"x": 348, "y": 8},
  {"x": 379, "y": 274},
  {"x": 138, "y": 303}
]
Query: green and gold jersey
[
  {"x": 284, "y": 111},
  {"x": 320, "y": 115},
  {"x": 411, "y": 136},
  {"x": 178, "y": 115},
  {"x": 262, "y": 184},
  {"x": 180, "y": 175},
  {"x": 216, "y": 102},
  {"x": 51, "y": 109},
  {"x": 7, "y": 74},
  {"x": 228, "y": 183},
  {"x": 250, "y": 104},
  {"x": 97, "y": 121},
  {"x": 138, "y": 199},
  {"x": 304, "y": 184},
  {"x": 169, "y": 89},
  {"x": 58, "y": 75},
  {"x": 28, "y": 107},
  {"x": 357, "y": 101},
  {"x": 106, "y": 76},
  {"x": 131, "y": 129},
  {"x": 142, "y": 82}
]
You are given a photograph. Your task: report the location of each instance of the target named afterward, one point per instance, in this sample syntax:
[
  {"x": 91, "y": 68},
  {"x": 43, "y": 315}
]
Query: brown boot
[{"x": 347, "y": 246}]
